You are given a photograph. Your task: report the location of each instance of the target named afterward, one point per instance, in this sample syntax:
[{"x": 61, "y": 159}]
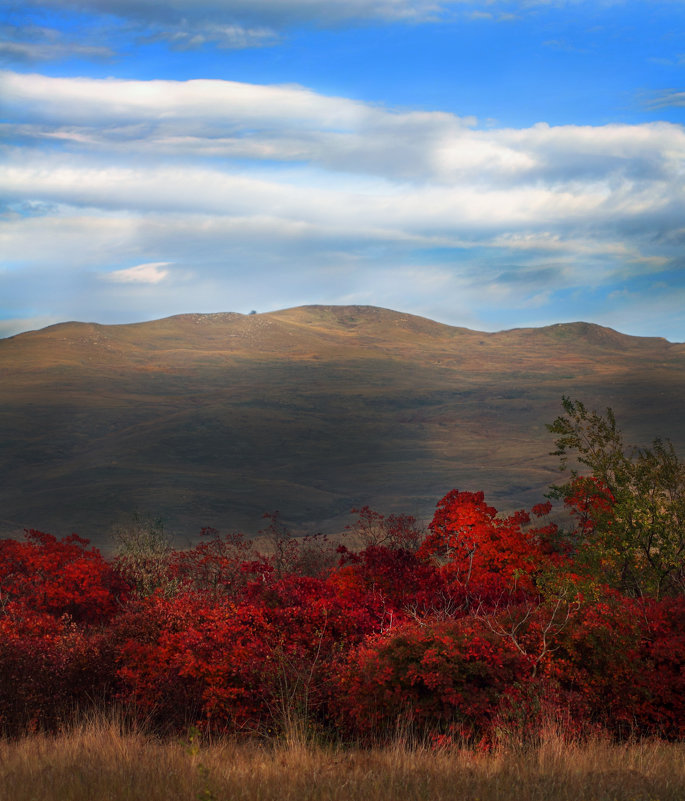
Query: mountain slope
[{"x": 215, "y": 419}]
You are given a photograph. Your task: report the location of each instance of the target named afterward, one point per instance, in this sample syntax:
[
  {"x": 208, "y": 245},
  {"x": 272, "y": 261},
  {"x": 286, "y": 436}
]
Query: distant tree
[
  {"x": 143, "y": 554},
  {"x": 629, "y": 506},
  {"x": 392, "y": 531}
]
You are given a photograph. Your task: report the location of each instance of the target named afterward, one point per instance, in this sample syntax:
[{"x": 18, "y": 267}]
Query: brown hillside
[{"x": 214, "y": 419}]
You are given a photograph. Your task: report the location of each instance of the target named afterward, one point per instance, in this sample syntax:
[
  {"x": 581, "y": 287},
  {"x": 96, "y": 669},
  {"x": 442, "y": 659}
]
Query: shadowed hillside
[{"x": 214, "y": 419}]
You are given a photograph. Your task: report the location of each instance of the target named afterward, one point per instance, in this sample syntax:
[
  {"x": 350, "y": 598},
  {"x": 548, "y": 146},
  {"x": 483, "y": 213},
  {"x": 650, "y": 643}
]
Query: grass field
[
  {"x": 212, "y": 420},
  {"x": 99, "y": 761}
]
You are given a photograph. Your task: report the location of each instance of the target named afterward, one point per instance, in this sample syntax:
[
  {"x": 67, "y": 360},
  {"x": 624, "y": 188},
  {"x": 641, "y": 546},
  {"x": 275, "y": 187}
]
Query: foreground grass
[{"x": 97, "y": 761}]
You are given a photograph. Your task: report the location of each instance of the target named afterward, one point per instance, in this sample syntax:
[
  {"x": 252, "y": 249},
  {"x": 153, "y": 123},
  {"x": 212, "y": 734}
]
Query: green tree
[{"x": 629, "y": 506}]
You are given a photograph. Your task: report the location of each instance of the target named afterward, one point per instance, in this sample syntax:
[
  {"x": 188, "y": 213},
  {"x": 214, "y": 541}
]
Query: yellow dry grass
[{"x": 101, "y": 761}]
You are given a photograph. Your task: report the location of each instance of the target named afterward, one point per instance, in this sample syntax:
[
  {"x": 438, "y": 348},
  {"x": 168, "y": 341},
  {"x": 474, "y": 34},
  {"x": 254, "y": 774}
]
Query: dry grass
[
  {"x": 213, "y": 420},
  {"x": 99, "y": 761}
]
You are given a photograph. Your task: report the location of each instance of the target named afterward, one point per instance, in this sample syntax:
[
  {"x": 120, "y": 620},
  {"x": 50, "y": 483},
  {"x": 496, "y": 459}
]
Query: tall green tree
[{"x": 628, "y": 505}]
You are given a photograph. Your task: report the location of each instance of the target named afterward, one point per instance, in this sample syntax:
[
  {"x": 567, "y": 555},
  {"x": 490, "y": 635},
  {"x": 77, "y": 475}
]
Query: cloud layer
[
  {"x": 210, "y": 194},
  {"x": 237, "y": 24}
]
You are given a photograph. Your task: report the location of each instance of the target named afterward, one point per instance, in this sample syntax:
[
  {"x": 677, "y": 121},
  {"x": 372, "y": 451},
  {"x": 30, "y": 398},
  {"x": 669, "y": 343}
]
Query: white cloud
[
  {"x": 195, "y": 103},
  {"x": 68, "y": 240},
  {"x": 280, "y": 12},
  {"x": 292, "y": 196},
  {"x": 163, "y": 121},
  {"x": 368, "y": 209},
  {"x": 236, "y": 24},
  {"x": 213, "y": 118},
  {"x": 151, "y": 273}
]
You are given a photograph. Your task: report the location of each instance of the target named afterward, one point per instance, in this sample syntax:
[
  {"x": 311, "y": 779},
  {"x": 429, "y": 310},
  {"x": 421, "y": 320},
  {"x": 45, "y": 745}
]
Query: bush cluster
[{"x": 483, "y": 628}]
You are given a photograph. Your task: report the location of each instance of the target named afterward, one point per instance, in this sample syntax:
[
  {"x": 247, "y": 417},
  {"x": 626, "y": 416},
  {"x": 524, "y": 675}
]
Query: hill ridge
[
  {"x": 342, "y": 311},
  {"x": 214, "y": 419}
]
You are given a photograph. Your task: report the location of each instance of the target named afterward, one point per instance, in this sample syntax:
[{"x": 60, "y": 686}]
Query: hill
[{"x": 213, "y": 419}]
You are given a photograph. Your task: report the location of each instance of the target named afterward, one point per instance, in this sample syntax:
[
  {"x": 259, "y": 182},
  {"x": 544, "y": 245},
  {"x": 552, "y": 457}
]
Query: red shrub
[
  {"x": 234, "y": 664},
  {"x": 215, "y": 565},
  {"x": 660, "y": 679},
  {"x": 446, "y": 677},
  {"x": 60, "y": 577},
  {"x": 49, "y": 669},
  {"x": 481, "y": 633},
  {"x": 623, "y": 660},
  {"x": 395, "y": 583},
  {"x": 481, "y": 552}
]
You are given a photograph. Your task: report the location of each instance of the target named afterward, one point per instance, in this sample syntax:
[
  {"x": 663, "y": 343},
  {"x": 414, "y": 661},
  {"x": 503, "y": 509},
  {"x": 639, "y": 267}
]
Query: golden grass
[{"x": 100, "y": 761}]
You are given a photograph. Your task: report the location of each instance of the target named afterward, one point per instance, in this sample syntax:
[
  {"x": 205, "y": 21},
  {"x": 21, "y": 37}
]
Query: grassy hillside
[{"x": 214, "y": 419}]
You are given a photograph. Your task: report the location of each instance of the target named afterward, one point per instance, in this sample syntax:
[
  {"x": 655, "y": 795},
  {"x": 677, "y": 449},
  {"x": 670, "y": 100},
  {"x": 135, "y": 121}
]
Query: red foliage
[
  {"x": 215, "y": 565},
  {"x": 60, "y": 577},
  {"x": 590, "y": 502},
  {"x": 49, "y": 668},
  {"x": 622, "y": 660},
  {"x": 661, "y": 682},
  {"x": 481, "y": 552},
  {"x": 187, "y": 659},
  {"x": 448, "y": 677},
  {"x": 394, "y": 583},
  {"x": 482, "y": 630}
]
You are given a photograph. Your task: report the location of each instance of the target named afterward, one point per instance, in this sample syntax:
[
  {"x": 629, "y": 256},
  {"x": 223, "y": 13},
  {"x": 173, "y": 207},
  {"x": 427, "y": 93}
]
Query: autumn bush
[
  {"x": 50, "y": 668},
  {"x": 60, "y": 577},
  {"x": 443, "y": 679},
  {"x": 483, "y": 628}
]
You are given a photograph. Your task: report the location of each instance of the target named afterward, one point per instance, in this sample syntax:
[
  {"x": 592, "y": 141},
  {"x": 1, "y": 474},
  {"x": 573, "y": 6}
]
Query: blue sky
[{"x": 490, "y": 164}]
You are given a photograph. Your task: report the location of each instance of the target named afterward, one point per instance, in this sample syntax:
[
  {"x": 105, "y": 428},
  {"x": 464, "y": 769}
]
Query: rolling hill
[{"x": 213, "y": 419}]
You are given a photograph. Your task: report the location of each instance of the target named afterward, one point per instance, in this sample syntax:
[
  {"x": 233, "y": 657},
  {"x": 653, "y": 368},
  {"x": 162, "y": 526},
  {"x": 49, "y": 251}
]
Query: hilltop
[{"x": 213, "y": 419}]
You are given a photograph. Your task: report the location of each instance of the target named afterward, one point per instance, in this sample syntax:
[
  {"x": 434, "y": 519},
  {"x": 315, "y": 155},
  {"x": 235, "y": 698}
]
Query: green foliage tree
[{"x": 629, "y": 508}]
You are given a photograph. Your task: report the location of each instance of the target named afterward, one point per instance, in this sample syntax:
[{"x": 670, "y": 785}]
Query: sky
[{"x": 492, "y": 164}]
